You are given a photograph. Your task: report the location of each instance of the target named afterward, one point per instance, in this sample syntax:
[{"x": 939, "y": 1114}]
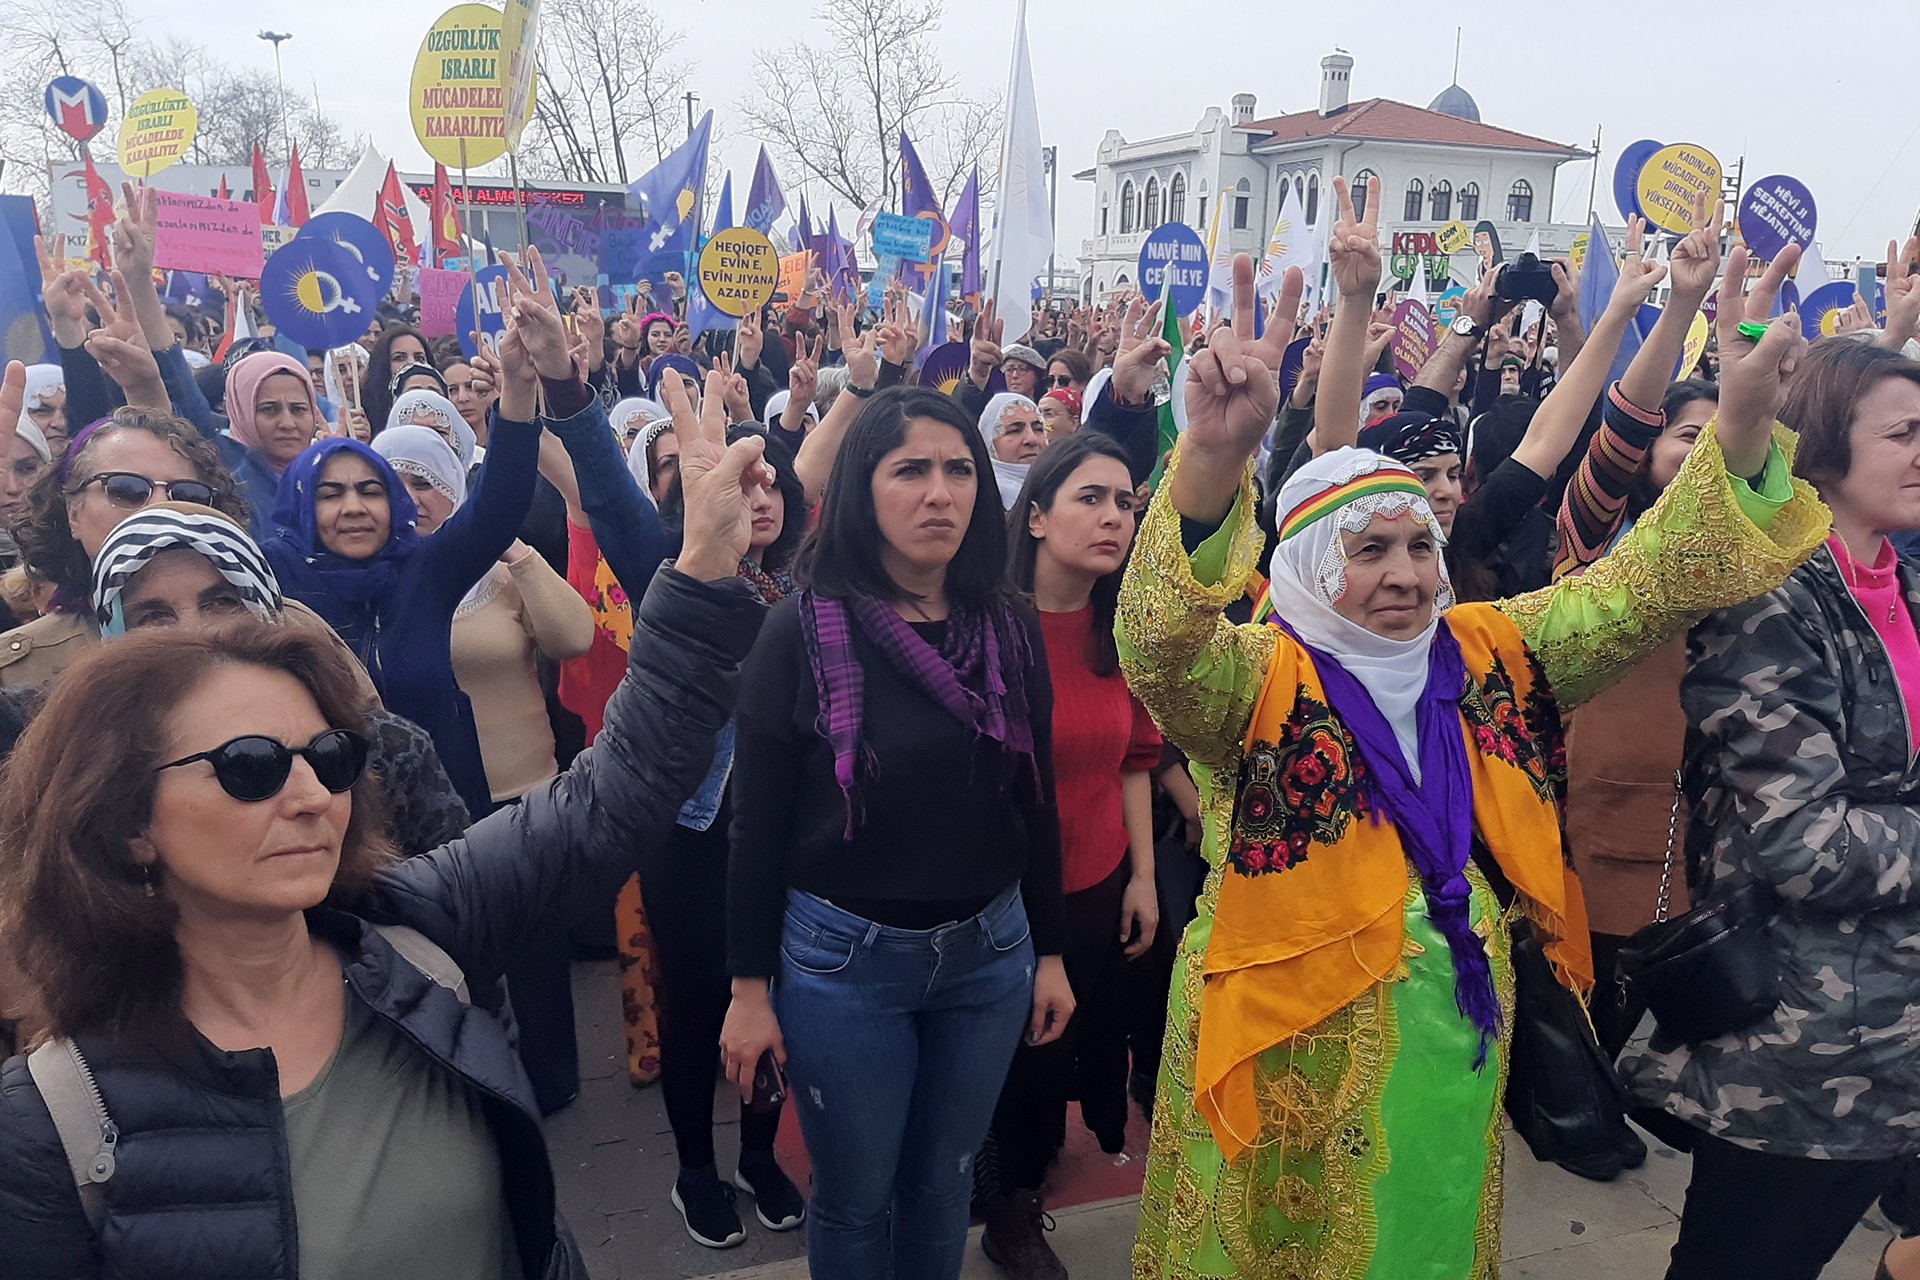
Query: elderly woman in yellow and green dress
[{"x": 1329, "y": 1098}]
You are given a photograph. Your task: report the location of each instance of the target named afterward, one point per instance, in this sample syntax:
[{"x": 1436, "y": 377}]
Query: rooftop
[{"x": 1384, "y": 120}]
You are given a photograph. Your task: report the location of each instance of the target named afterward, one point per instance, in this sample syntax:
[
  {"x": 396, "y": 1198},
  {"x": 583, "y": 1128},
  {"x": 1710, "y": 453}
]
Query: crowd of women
[{"x": 346, "y": 698}]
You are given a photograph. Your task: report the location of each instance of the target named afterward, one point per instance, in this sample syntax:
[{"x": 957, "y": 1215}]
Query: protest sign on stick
[
  {"x": 904, "y": 239},
  {"x": 157, "y": 130},
  {"x": 201, "y": 233},
  {"x": 440, "y": 301},
  {"x": 739, "y": 270},
  {"x": 457, "y": 100}
]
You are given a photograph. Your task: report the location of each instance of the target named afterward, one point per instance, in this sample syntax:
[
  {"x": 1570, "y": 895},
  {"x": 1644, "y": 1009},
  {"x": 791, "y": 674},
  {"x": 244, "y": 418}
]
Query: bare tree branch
[{"x": 840, "y": 107}]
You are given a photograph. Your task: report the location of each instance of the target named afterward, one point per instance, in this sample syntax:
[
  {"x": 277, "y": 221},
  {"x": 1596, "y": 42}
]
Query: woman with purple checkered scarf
[{"x": 893, "y": 899}]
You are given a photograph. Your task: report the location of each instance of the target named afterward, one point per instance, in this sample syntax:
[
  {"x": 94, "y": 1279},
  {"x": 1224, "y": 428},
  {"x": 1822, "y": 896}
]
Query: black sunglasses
[
  {"x": 131, "y": 491},
  {"x": 1059, "y": 380},
  {"x": 255, "y": 767}
]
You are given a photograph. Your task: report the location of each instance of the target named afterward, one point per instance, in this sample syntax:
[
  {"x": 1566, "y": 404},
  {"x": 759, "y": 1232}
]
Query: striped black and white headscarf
[{"x": 166, "y": 526}]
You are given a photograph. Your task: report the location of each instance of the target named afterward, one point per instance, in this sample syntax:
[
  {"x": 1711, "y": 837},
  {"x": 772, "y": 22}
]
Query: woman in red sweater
[{"x": 1069, "y": 533}]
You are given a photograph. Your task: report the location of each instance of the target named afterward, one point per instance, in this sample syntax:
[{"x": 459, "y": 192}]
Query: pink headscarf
[{"x": 243, "y": 384}]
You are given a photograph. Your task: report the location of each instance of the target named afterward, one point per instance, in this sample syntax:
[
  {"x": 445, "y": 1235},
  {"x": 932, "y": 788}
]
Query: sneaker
[
  {"x": 776, "y": 1201},
  {"x": 1015, "y": 1237},
  {"x": 706, "y": 1203}
]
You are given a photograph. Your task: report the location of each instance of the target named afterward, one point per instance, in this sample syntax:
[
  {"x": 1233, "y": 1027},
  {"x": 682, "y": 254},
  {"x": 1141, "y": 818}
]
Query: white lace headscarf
[{"x": 1343, "y": 492}]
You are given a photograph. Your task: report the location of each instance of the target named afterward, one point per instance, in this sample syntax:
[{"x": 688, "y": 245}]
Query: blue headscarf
[
  {"x": 658, "y": 370},
  {"x": 340, "y": 590}
]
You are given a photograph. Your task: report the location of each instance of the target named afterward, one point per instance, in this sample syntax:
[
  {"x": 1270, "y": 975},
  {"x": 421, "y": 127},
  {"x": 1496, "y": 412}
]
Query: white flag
[
  {"x": 1022, "y": 220},
  {"x": 1219, "y": 266},
  {"x": 1812, "y": 271}
]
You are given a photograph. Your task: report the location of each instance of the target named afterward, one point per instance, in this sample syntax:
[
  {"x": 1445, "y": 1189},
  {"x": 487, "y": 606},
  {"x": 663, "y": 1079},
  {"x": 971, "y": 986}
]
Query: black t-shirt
[{"x": 945, "y": 821}]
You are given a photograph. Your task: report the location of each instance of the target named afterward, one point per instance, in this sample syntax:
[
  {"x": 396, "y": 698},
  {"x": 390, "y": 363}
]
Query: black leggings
[
  {"x": 684, "y": 889},
  {"x": 1750, "y": 1214},
  {"x": 1088, "y": 1061}
]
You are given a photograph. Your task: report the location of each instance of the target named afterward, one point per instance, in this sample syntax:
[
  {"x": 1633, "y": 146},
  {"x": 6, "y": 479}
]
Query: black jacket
[{"x": 203, "y": 1189}]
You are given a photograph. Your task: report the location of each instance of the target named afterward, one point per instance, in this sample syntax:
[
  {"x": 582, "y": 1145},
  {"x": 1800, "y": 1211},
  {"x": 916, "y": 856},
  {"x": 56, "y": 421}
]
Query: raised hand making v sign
[{"x": 1233, "y": 391}]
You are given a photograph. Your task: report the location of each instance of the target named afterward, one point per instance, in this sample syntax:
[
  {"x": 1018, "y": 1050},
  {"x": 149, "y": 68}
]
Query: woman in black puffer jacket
[{"x": 210, "y": 920}]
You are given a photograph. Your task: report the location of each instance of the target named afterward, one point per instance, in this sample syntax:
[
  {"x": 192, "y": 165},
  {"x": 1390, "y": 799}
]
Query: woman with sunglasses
[
  {"x": 298, "y": 1035},
  {"x": 111, "y": 469}
]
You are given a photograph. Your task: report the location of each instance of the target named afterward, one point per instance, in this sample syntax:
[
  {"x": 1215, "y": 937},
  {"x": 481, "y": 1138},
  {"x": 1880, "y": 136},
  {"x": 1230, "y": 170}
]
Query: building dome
[{"x": 1457, "y": 102}]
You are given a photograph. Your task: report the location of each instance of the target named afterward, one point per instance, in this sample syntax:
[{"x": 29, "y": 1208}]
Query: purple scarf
[
  {"x": 1433, "y": 816},
  {"x": 977, "y": 675}
]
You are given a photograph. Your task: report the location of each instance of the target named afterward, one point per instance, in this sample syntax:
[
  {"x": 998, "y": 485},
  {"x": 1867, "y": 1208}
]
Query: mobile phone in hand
[{"x": 769, "y": 1085}]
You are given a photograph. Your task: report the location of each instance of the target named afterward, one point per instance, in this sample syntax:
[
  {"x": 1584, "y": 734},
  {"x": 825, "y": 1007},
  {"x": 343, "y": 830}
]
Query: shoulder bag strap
[
  {"x": 80, "y": 1117},
  {"x": 424, "y": 954}
]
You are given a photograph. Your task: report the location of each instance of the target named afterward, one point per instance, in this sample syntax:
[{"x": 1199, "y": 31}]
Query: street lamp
[{"x": 277, "y": 37}]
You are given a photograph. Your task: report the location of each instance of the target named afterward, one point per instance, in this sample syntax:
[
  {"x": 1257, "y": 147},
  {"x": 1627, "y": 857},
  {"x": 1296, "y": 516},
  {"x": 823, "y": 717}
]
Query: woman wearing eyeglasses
[
  {"x": 110, "y": 470},
  {"x": 247, "y": 983}
]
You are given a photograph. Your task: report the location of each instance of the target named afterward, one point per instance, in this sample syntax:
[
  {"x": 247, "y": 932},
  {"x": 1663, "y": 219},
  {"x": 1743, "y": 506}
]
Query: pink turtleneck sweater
[{"x": 1877, "y": 588}]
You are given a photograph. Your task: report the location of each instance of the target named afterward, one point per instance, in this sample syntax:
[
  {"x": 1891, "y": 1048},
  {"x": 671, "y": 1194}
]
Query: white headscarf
[
  {"x": 630, "y": 414},
  {"x": 421, "y": 407},
  {"x": 42, "y": 381},
  {"x": 1308, "y": 573},
  {"x": 419, "y": 451},
  {"x": 1012, "y": 476},
  {"x": 637, "y": 454}
]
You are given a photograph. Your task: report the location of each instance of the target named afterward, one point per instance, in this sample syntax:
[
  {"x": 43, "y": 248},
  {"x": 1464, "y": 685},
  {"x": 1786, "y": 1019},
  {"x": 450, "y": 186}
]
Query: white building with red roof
[{"x": 1430, "y": 166}]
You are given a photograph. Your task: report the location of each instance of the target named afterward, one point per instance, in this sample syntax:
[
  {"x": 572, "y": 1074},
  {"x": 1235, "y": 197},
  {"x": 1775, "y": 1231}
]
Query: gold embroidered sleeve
[
  {"x": 1709, "y": 542},
  {"x": 1198, "y": 673}
]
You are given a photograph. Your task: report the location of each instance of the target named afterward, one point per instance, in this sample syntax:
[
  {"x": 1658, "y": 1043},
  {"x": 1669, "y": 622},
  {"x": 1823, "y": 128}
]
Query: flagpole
[{"x": 466, "y": 230}]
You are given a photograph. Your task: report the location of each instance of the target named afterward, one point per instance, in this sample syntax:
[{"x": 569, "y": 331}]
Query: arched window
[
  {"x": 1242, "y": 204},
  {"x": 1313, "y": 199},
  {"x": 1126, "y": 208},
  {"x": 1177, "y": 198},
  {"x": 1470, "y": 202},
  {"x": 1416, "y": 201},
  {"x": 1150, "y": 210},
  {"x": 1364, "y": 183},
  {"x": 1299, "y": 188},
  {"x": 1441, "y": 200},
  {"x": 1520, "y": 201}
]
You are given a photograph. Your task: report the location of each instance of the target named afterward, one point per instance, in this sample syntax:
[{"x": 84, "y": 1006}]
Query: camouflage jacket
[{"x": 1801, "y": 768}]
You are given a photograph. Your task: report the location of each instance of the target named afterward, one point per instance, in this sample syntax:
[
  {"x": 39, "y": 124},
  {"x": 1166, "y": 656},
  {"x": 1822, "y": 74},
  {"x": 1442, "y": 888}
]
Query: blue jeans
[{"x": 897, "y": 1043}]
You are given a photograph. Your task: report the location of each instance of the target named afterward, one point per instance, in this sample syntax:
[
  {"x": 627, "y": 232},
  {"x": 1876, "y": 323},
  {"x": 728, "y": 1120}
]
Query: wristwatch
[{"x": 1464, "y": 326}]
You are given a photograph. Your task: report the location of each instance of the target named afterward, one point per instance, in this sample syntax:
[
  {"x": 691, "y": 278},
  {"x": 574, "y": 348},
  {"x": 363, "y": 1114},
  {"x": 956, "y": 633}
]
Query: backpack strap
[
  {"x": 86, "y": 1131},
  {"x": 424, "y": 954}
]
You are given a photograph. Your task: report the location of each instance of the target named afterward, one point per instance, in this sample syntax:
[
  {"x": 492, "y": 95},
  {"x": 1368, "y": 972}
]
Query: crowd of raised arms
[{"x": 1534, "y": 736}]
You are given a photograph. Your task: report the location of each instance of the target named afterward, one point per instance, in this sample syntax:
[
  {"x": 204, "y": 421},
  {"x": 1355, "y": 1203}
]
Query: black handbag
[
  {"x": 1563, "y": 1095},
  {"x": 1710, "y": 971}
]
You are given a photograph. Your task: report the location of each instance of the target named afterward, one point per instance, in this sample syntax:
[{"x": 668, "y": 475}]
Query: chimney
[
  {"x": 1336, "y": 69},
  {"x": 1243, "y": 108}
]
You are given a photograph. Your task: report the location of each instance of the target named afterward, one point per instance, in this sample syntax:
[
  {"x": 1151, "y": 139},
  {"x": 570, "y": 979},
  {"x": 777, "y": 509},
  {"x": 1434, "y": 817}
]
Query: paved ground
[{"x": 614, "y": 1156}]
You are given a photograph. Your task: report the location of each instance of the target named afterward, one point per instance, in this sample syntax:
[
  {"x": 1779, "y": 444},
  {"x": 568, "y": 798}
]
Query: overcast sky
[{"x": 1789, "y": 98}]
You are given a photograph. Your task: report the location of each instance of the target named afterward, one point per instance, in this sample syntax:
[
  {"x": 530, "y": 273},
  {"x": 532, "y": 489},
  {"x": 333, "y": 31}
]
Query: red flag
[
  {"x": 99, "y": 217},
  {"x": 390, "y": 216},
  {"x": 446, "y": 217},
  {"x": 262, "y": 186},
  {"x": 223, "y": 193},
  {"x": 297, "y": 213}
]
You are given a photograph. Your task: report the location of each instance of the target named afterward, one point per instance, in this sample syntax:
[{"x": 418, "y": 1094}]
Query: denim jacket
[{"x": 698, "y": 813}]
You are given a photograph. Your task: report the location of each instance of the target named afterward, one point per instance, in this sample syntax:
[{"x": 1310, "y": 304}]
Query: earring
[{"x": 146, "y": 878}]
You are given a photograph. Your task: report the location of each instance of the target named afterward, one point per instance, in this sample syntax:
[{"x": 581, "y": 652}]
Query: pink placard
[
  {"x": 440, "y": 300},
  {"x": 201, "y": 233}
]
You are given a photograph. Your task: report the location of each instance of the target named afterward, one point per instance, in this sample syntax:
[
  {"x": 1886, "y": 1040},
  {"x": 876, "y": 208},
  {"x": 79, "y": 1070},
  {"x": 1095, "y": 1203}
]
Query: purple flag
[
  {"x": 965, "y": 224},
  {"x": 765, "y": 203},
  {"x": 917, "y": 200}
]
